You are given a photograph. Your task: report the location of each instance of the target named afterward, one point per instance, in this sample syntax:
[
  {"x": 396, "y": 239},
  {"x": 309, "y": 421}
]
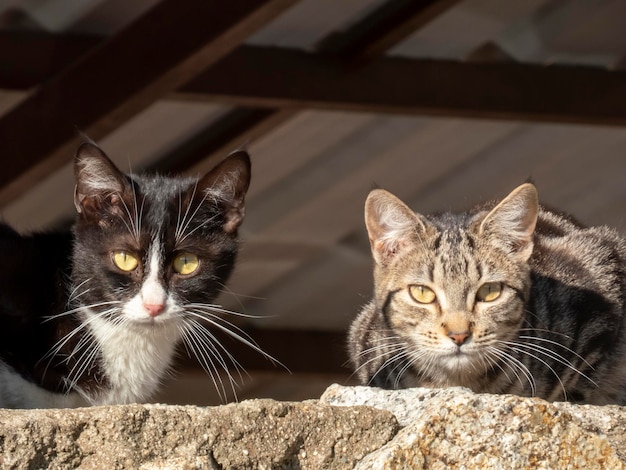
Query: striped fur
[{"x": 555, "y": 331}]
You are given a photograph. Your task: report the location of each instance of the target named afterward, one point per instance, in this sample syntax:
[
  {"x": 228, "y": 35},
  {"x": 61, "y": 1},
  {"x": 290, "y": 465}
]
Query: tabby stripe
[
  {"x": 518, "y": 293},
  {"x": 386, "y": 304}
]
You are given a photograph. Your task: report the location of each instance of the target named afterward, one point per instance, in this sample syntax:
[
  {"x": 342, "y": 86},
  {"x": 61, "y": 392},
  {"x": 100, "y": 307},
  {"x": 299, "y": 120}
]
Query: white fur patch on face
[{"x": 152, "y": 303}]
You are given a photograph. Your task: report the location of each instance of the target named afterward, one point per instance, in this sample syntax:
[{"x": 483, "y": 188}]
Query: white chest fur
[{"x": 135, "y": 357}]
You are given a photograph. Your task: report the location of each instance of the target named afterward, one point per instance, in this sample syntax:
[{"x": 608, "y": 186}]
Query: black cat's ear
[
  {"x": 227, "y": 184},
  {"x": 391, "y": 225},
  {"x": 97, "y": 179},
  {"x": 511, "y": 224}
]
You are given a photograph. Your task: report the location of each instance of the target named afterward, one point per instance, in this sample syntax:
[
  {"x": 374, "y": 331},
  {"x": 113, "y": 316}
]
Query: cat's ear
[
  {"x": 512, "y": 222},
  {"x": 97, "y": 179},
  {"x": 227, "y": 184},
  {"x": 391, "y": 225}
]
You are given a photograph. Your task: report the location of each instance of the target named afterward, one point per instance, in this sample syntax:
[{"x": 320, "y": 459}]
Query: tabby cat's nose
[{"x": 459, "y": 338}]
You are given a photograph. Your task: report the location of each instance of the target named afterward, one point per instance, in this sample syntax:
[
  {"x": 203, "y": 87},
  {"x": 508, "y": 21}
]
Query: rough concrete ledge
[
  {"x": 259, "y": 434},
  {"x": 349, "y": 427},
  {"x": 456, "y": 429}
]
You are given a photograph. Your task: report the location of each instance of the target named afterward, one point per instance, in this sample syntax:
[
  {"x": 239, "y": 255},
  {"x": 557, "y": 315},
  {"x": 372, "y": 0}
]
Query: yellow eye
[
  {"x": 422, "y": 294},
  {"x": 186, "y": 263},
  {"x": 125, "y": 261},
  {"x": 489, "y": 292}
]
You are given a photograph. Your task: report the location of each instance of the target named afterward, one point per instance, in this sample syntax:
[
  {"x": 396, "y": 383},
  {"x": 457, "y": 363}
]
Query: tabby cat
[
  {"x": 94, "y": 316},
  {"x": 505, "y": 298}
]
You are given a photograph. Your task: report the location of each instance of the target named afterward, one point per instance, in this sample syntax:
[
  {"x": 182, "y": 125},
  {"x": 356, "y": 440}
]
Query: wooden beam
[
  {"x": 29, "y": 59},
  {"x": 382, "y": 29},
  {"x": 371, "y": 36},
  {"x": 208, "y": 147},
  {"x": 155, "y": 55},
  {"x": 272, "y": 77}
]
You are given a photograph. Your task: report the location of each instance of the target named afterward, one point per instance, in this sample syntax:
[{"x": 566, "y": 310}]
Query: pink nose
[
  {"x": 154, "y": 309},
  {"x": 459, "y": 338}
]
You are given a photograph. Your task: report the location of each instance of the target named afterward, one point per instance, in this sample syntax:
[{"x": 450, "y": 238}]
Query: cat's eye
[
  {"x": 489, "y": 292},
  {"x": 125, "y": 261},
  {"x": 186, "y": 263},
  {"x": 422, "y": 294}
]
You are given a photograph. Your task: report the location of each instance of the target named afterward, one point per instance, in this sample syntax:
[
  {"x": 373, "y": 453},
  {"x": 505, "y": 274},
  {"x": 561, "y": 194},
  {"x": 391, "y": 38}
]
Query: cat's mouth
[
  {"x": 460, "y": 356},
  {"x": 144, "y": 320}
]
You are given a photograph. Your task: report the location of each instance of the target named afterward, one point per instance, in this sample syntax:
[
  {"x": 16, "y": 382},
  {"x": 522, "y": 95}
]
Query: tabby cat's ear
[
  {"x": 511, "y": 223},
  {"x": 227, "y": 184},
  {"x": 391, "y": 224},
  {"x": 97, "y": 179}
]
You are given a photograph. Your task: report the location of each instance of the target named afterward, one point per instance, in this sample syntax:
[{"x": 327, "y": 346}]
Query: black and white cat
[{"x": 94, "y": 316}]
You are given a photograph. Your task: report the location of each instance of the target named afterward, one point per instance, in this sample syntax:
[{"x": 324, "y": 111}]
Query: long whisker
[
  {"x": 556, "y": 343},
  {"x": 82, "y": 327},
  {"x": 513, "y": 347},
  {"x": 203, "y": 354},
  {"x": 213, "y": 308},
  {"x": 409, "y": 360},
  {"x": 132, "y": 228},
  {"x": 552, "y": 355},
  {"x": 215, "y": 344},
  {"x": 392, "y": 354},
  {"x": 186, "y": 221},
  {"x": 179, "y": 226},
  {"x": 236, "y": 333},
  {"x": 513, "y": 363},
  {"x": 79, "y": 309},
  {"x": 199, "y": 226}
]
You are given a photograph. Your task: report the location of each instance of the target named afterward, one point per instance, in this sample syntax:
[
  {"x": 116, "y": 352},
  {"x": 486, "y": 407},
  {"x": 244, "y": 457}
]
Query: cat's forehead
[
  {"x": 449, "y": 256},
  {"x": 165, "y": 203},
  {"x": 455, "y": 253},
  {"x": 164, "y": 189}
]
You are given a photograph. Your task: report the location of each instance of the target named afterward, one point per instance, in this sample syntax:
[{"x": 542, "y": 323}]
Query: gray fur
[{"x": 556, "y": 331}]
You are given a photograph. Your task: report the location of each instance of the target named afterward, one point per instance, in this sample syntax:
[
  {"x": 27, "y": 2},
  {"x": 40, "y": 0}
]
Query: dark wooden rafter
[
  {"x": 382, "y": 29},
  {"x": 510, "y": 91},
  {"x": 370, "y": 37},
  {"x": 155, "y": 55},
  {"x": 475, "y": 89},
  {"x": 30, "y": 59},
  {"x": 209, "y": 146}
]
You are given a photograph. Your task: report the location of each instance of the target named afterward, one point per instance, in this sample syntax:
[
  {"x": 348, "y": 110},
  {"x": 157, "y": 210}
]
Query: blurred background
[{"x": 445, "y": 103}]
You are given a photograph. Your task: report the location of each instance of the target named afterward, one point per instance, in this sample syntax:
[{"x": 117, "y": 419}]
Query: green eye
[
  {"x": 186, "y": 263},
  {"x": 422, "y": 294},
  {"x": 489, "y": 292},
  {"x": 125, "y": 261}
]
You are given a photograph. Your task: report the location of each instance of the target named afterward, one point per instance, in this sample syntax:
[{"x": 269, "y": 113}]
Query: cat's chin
[
  {"x": 457, "y": 375},
  {"x": 460, "y": 367}
]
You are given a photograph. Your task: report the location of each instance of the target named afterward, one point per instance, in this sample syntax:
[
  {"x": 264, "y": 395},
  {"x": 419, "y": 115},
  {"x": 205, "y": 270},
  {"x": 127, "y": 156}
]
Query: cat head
[
  {"x": 147, "y": 246},
  {"x": 454, "y": 284}
]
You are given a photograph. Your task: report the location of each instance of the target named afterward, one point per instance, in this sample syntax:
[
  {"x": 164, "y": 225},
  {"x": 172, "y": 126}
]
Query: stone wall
[{"x": 349, "y": 427}]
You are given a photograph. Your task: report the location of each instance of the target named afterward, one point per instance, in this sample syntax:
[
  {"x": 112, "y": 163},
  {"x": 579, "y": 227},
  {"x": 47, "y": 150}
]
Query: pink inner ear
[{"x": 385, "y": 249}]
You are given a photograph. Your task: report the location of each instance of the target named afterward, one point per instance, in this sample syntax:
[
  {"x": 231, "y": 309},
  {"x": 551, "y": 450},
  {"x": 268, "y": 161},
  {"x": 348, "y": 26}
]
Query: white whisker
[{"x": 236, "y": 333}]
